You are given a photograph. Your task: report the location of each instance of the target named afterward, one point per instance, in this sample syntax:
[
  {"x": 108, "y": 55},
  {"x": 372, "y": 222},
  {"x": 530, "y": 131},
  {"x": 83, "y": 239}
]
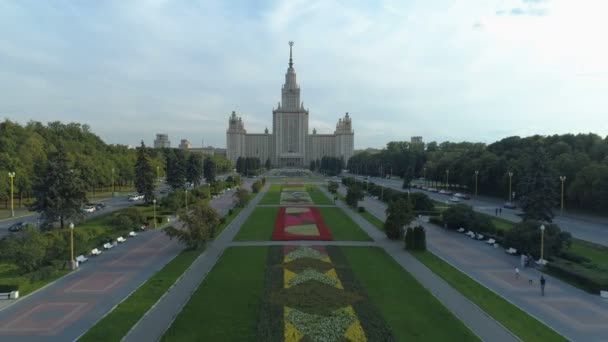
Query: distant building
[
  {"x": 162, "y": 141},
  {"x": 290, "y": 144},
  {"x": 416, "y": 141},
  {"x": 210, "y": 150},
  {"x": 185, "y": 144}
]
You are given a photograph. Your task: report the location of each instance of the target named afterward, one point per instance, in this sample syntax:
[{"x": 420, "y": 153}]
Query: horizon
[{"x": 400, "y": 69}]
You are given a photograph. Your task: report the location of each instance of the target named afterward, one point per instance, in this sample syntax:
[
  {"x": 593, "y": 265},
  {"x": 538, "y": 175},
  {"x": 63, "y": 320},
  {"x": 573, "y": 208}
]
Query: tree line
[{"x": 581, "y": 161}]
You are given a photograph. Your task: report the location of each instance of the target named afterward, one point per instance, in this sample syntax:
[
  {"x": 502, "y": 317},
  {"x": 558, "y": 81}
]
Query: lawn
[
  {"x": 225, "y": 306},
  {"x": 10, "y": 276},
  {"x": 273, "y": 195},
  {"x": 597, "y": 254},
  {"x": 117, "y": 323},
  {"x": 373, "y": 220},
  {"x": 517, "y": 321},
  {"x": 318, "y": 197},
  {"x": 411, "y": 311},
  {"x": 259, "y": 225},
  {"x": 341, "y": 226}
]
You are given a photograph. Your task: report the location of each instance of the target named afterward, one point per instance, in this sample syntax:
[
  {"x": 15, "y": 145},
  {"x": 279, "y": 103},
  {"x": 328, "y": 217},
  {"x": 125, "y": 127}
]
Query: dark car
[
  {"x": 100, "y": 206},
  {"x": 17, "y": 227}
]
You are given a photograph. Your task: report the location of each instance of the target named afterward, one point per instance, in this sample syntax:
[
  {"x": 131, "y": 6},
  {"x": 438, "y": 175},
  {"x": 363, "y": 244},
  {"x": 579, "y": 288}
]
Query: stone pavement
[{"x": 577, "y": 315}]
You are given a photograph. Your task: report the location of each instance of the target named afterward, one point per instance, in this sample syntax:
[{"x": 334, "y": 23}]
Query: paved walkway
[{"x": 574, "y": 313}]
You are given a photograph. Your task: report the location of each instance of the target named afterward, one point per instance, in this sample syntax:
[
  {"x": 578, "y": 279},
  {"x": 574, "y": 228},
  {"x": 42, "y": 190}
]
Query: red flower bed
[{"x": 300, "y": 223}]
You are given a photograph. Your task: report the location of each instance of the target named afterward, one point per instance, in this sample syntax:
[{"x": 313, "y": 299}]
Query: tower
[{"x": 235, "y": 137}]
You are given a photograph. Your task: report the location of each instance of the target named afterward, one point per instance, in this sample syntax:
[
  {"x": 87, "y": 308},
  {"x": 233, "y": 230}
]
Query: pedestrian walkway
[{"x": 573, "y": 313}]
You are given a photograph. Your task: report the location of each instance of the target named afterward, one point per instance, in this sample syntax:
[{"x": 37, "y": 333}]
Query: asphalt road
[{"x": 589, "y": 228}]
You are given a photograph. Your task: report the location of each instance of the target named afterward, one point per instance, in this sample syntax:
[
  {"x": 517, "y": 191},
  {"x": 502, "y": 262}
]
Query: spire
[{"x": 290, "y": 54}]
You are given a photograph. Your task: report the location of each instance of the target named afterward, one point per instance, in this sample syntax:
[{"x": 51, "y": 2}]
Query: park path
[{"x": 575, "y": 314}]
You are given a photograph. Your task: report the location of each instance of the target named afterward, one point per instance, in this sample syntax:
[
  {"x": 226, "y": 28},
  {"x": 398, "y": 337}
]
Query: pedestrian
[
  {"x": 516, "y": 272},
  {"x": 496, "y": 212},
  {"x": 542, "y": 285},
  {"x": 500, "y": 211}
]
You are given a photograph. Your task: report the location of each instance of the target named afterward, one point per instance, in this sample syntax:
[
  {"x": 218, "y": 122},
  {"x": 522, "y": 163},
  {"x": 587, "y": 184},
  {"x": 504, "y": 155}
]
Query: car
[
  {"x": 100, "y": 206},
  {"x": 88, "y": 209},
  {"x": 454, "y": 199},
  {"x": 445, "y": 192},
  {"x": 509, "y": 205},
  {"x": 136, "y": 197},
  {"x": 462, "y": 196},
  {"x": 17, "y": 227},
  {"x": 432, "y": 189},
  {"x": 164, "y": 191}
]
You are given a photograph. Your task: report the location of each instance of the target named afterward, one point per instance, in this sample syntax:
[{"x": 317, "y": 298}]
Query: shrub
[
  {"x": 256, "y": 187},
  {"x": 361, "y": 209},
  {"x": 123, "y": 222},
  {"x": 421, "y": 202},
  {"x": 42, "y": 273},
  {"x": 566, "y": 271},
  {"x": 437, "y": 220},
  {"x": 9, "y": 288},
  {"x": 230, "y": 212},
  {"x": 525, "y": 237},
  {"x": 415, "y": 239}
]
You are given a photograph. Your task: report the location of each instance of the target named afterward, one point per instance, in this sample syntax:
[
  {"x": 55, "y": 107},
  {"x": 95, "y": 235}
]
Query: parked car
[
  {"x": 462, "y": 196},
  {"x": 432, "y": 190},
  {"x": 454, "y": 199},
  {"x": 136, "y": 197},
  {"x": 88, "y": 209},
  {"x": 445, "y": 192},
  {"x": 17, "y": 227},
  {"x": 509, "y": 205},
  {"x": 100, "y": 206}
]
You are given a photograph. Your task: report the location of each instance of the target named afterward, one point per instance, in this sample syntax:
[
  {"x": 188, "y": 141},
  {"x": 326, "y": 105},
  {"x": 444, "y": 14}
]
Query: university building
[{"x": 289, "y": 144}]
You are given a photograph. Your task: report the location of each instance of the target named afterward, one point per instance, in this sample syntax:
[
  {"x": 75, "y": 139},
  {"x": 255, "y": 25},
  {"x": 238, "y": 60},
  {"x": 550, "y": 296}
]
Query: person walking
[
  {"x": 542, "y": 285},
  {"x": 500, "y": 211},
  {"x": 516, "y": 272},
  {"x": 496, "y": 212}
]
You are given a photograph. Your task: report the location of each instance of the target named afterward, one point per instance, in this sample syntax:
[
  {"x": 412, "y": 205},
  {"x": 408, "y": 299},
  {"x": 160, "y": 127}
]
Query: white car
[
  {"x": 454, "y": 199},
  {"x": 136, "y": 197},
  {"x": 88, "y": 209}
]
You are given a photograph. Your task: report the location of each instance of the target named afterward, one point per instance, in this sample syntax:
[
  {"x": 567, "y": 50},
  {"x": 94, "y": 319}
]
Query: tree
[
  {"x": 268, "y": 165},
  {"x": 241, "y": 197},
  {"x": 144, "y": 174},
  {"x": 176, "y": 168},
  {"x": 209, "y": 169},
  {"x": 421, "y": 202},
  {"x": 525, "y": 236},
  {"x": 199, "y": 226},
  {"x": 354, "y": 195},
  {"x": 27, "y": 249},
  {"x": 538, "y": 187},
  {"x": 194, "y": 169},
  {"x": 59, "y": 191},
  {"x": 398, "y": 214},
  {"x": 333, "y": 186}
]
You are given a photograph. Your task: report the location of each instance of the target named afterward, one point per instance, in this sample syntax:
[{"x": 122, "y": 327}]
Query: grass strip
[
  {"x": 118, "y": 322},
  {"x": 409, "y": 309},
  {"x": 273, "y": 195},
  {"x": 318, "y": 197},
  {"x": 517, "y": 321},
  {"x": 341, "y": 226},
  {"x": 376, "y": 222},
  {"x": 259, "y": 225},
  {"x": 226, "y": 304}
]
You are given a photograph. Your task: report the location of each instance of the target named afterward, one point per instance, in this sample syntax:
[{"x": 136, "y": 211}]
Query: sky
[{"x": 446, "y": 70}]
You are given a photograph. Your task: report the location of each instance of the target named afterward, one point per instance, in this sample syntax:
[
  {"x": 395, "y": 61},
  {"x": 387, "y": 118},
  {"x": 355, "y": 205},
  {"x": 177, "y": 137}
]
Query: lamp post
[
  {"x": 186, "y": 199},
  {"x": 563, "y": 179},
  {"x": 424, "y": 175},
  {"x": 113, "y": 190},
  {"x": 510, "y": 173},
  {"x": 209, "y": 191},
  {"x": 447, "y": 178},
  {"x": 542, "y": 242},
  {"x": 476, "y": 174},
  {"x": 72, "y": 261},
  {"x": 11, "y": 175},
  {"x": 154, "y": 202},
  {"x": 157, "y": 174}
]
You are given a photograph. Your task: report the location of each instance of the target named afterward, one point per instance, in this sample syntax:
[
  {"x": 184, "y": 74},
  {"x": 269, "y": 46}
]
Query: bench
[
  {"x": 604, "y": 294},
  {"x": 81, "y": 258},
  {"x": 491, "y": 241},
  {"x": 479, "y": 237},
  {"x": 132, "y": 234},
  {"x": 121, "y": 239},
  {"x": 460, "y": 230},
  {"x": 5, "y": 295},
  {"x": 107, "y": 245},
  {"x": 541, "y": 262},
  {"x": 95, "y": 252},
  {"x": 511, "y": 251}
]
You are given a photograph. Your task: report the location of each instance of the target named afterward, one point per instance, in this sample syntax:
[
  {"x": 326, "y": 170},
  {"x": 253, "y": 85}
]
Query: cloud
[
  {"x": 528, "y": 8},
  {"x": 478, "y": 25}
]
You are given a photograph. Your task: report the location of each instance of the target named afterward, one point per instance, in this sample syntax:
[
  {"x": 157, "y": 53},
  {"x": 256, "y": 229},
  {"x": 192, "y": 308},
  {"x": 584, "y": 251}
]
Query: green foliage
[
  {"x": 176, "y": 165},
  {"x": 399, "y": 214},
  {"x": 353, "y": 195},
  {"x": 421, "y": 202},
  {"x": 462, "y": 215},
  {"x": 579, "y": 275},
  {"x": 415, "y": 239},
  {"x": 199, "y": 226},
  {"x": 194, "y": 169},
  {"x": 538, "y": 188},
  {"x": 209, "y": 169},
  {"x": 26, "y": 249},
  {"x": 331, "y": 166},
  {"x": 333, "y": 186},
  {"x": 525, "y": 236},
  {"x": 241, "y": 197},
  {"x": 256, "y": 186},
  {"x": 144, "y": 174},
  {"x": 248, "y": 165}
]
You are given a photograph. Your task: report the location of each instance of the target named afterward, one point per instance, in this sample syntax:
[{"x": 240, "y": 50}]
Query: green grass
[
  {"x": 273, "y": 195},
  {"x": 117, "y": 323},
  {"x": 225, "y": 306},
  {"x": 341, "y": 226},
  {"x": 517, "y": 321},
  {"x": 373, "y": 220},
  {"x": 318, "y": 197},
  {"x": 597, "y": 254},
  {"x": 500, "y": 223},
  {"x": 9, "y": 275},
  {"x": 259, "y": 225},
  {"x": 411, "y": 310}
]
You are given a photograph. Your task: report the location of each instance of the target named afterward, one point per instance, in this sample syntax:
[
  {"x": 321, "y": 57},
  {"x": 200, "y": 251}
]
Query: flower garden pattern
[
  {"x": 295, "y": 194},
  {"x": 300, "y": 223},
  {"x": 312, "y": 295}
]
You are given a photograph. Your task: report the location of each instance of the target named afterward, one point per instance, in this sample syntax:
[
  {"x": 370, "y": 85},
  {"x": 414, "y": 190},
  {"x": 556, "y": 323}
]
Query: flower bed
[
  {"x": 300, "y": 223},
  {"x": 312, "y": 295},
  {"x": 295, "y": 194}
]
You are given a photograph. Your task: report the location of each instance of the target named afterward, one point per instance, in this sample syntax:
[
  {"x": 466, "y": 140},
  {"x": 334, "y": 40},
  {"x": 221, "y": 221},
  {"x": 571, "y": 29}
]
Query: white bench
[
  {"x": 470, "y": 234},
  {"x": 81, "y": 258},
  {"x": 9, "y": 295},
  {"x": 132, "y": 234},
  {"x": 479, "y": 237},
  {"x": 604, "y": 294},
  {"x": 511, "y": 251},
  {"x": 107, "y": 245},
  {"x": 491, "y": 241},
  {"x": 121, "y": 239},
  {"x": 541, "y": 262},
  {"x": 460, "y": 230},
  {"x": 95, "y": 252}
]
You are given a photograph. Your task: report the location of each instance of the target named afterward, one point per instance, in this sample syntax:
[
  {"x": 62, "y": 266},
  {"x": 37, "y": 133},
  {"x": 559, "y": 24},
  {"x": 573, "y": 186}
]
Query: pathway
[{"x": 572, "y": 312}]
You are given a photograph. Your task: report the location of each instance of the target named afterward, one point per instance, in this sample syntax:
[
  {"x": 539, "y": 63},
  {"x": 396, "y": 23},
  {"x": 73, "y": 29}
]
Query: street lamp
[
  {"x": 11, "y": 175},
  {"x": 209, "y": 191},
  {"x": 186, "y": 199},
  {"x": 113, "y": 190},
  {"x": 72, "y": 261},
  {"x": 424, "y": 175},
  {"x": 542, "y": 242},
  {"x": 157, "y": 174},
  {"x": 563, "y": 179},
  {"x": 510, "y": 173},
  {"x": 476, "y": 174},
  {"x": 447, "y": 178},
  {"x": 154, "y": 202}
]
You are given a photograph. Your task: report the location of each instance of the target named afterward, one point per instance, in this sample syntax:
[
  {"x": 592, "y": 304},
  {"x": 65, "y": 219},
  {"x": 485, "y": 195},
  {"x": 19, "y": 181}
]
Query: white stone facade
[{"x": 289, "y": 144}]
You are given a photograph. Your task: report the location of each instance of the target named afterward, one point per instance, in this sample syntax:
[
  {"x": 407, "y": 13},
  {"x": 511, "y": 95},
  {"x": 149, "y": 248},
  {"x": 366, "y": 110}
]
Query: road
[{"x": 588, "y": 228}]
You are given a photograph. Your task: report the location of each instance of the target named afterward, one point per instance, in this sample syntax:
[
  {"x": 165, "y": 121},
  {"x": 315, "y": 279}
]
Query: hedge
[
  {"x": 564, "y": 270},
  {"x": 8, "y": 288}
]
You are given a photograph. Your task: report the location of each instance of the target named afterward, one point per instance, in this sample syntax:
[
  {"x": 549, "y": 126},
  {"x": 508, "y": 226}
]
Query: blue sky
[{"x": 447, "y": 70}]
